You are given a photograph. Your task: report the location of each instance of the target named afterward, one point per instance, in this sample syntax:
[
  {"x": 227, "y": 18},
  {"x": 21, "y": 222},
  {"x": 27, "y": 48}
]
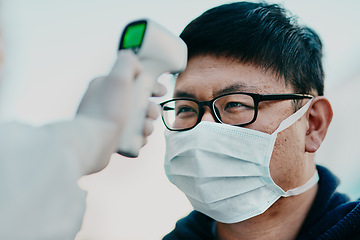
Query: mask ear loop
[
  {"x": 309, "y": 184},
  {"x": 293, "y": 118},
  {"x": 284, "y": 125}
]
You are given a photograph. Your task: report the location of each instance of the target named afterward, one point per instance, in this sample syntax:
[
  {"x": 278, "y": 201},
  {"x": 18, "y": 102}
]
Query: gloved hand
[{"x": 108, "y": 100}]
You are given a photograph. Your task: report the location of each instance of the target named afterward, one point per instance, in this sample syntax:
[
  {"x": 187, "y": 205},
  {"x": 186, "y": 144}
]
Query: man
[{"x": 247, "y": 117}]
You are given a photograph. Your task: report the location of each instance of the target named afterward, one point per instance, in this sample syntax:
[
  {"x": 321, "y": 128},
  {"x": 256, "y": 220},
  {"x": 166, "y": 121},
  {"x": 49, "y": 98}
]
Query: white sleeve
[{"x": 39, "y": 169}]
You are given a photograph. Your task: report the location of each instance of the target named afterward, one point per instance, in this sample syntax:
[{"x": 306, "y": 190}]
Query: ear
[{"x": 320, "y": 115}]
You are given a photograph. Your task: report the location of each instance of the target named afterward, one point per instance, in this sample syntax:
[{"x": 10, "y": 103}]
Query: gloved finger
[
  {"x": 126, "y": 60},
  {"x": 153, "y": 111},
  {"x": 159, "y": 90},
  {"x": 148, "y": 127},
  {"x": 145, "y": 141}
]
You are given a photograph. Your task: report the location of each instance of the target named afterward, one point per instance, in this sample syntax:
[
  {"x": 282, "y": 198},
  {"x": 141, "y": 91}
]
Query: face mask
[{"x": 224, "y": 170}]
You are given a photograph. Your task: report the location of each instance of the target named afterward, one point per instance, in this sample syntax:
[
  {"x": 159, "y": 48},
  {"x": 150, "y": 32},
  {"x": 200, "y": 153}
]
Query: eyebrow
[
  {"x": 183, "y": 94},
  {"x": 232, "y": 88},
  {"x": 236, "y": 88}
]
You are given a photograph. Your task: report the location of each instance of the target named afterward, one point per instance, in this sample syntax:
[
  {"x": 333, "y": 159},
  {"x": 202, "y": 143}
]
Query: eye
[
  {"x": 236, "y": 105},
  {"x": 233, "y": 104},
  {"x": 185, "y": 110}
]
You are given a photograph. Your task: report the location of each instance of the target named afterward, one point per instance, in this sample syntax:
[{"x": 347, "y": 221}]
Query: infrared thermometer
[{"x": 159, "y": 51}]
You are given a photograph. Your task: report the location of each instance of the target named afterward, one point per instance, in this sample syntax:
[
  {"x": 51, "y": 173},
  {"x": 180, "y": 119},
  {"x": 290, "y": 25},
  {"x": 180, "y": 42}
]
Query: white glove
[{"x": 107, "y": 101}]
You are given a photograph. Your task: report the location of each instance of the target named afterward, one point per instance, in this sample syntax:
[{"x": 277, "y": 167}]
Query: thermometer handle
[{"x": 133, "y": 134}]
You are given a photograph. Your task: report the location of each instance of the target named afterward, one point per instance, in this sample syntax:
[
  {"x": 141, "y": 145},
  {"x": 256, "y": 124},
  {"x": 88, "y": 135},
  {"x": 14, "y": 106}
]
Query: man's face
[{"x": 207, "y": 77}]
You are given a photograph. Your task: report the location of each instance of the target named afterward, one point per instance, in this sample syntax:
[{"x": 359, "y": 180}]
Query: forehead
[{"x": 209, "y": 76}]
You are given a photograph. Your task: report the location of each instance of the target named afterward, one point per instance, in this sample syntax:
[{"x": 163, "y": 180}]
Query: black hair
[{"x": 261, "y": 34}]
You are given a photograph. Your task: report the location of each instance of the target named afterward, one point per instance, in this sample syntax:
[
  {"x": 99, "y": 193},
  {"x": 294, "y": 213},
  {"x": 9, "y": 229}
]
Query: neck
[{"x": 282, "y": 220}]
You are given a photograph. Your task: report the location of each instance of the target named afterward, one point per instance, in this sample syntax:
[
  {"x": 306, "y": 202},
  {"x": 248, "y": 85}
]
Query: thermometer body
[{"x": 159, "y": 51}]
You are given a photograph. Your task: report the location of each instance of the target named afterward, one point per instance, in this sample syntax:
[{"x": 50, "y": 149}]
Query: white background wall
[{"x": 53, "y": 49}]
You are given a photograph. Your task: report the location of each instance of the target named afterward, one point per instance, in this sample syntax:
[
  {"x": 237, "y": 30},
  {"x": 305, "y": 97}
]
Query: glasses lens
[
  {"x": 235, "y": 109},
  {"x": 180, "y": 114}
]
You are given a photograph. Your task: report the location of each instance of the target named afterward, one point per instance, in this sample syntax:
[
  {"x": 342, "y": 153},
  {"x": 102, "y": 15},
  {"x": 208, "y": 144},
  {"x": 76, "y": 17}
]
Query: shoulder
[
  {"x": 195, "y": 226},
  {"x": 333, "y": 215},
  {"x": 344, "y": 222},
  {"x": 341, "y": 222}
]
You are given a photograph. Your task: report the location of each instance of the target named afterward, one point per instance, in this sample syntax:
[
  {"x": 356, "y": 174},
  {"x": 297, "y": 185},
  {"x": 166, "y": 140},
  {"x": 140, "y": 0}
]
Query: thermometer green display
[{"x": 133, "y": 36}]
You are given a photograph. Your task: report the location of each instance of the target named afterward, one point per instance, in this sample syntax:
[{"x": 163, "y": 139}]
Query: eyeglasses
[{"x": 238, "y": 109}]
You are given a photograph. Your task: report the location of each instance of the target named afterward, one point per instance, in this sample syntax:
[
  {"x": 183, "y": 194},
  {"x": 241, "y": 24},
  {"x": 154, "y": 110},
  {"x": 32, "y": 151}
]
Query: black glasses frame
[{"x": 214, "y": 112}]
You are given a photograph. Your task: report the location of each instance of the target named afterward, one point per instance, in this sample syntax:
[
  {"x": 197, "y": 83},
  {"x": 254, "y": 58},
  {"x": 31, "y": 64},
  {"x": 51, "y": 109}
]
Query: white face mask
[{"x": 224, "y": 170}]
